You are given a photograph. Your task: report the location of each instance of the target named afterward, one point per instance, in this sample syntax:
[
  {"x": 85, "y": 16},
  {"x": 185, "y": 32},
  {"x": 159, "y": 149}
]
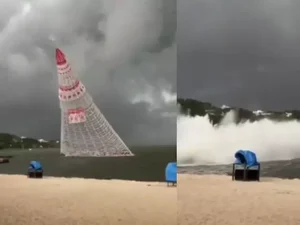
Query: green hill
[
  {"x": 197, "y": 108},
  {"x": 13, "y": 141}
]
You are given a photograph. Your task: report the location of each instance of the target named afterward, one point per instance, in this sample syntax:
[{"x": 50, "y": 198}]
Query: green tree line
[
  {"x": 15, "y": 142},
  {"x": 194, "y": 107}
]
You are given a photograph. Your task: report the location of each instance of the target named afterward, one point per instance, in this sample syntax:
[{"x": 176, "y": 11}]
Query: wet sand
[
  {"x": 75, "y": 201},
  {"x": 215, "y": 199}
]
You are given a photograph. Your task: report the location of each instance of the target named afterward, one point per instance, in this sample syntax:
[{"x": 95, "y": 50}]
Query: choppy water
[
  {"x": 276, "y": 144},
  {"x": 281, "y": 169}
]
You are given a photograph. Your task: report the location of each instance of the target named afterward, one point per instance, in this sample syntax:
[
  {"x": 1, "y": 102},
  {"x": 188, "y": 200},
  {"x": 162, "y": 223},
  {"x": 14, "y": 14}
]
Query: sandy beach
[
  {"x": 75, "y": 201},
  {"x": 215, "y": 200}
]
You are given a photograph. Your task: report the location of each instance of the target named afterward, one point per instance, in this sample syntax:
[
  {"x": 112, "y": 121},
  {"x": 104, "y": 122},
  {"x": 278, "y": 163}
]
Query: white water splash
[{"x": 199, "y": 142}]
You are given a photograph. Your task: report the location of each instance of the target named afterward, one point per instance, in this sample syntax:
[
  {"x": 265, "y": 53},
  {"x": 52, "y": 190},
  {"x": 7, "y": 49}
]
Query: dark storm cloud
[
  {"x": 239, "y": 52},
  {"x": 108, "y": 44}
]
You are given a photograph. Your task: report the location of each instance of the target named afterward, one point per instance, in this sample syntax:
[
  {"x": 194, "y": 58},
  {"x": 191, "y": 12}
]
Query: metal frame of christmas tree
[{"x": 84, "y": 129}]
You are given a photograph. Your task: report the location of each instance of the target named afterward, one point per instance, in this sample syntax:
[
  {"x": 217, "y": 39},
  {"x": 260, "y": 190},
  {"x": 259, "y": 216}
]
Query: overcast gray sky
[
  {"x": 124, "y": 51},
  {"x": 240, "y": 52}
]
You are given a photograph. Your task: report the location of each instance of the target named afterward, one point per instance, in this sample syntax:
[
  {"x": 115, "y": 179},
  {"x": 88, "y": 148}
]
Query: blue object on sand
[
  {"x": 35, "y": 170},
  {"x": 36, "y": 166},
  {"x": 246, "y": 157},
  {"x": 171, "y": 172}
]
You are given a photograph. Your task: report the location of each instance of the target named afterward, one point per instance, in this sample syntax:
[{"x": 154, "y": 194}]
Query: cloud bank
[{"x": 123, "y": 51}]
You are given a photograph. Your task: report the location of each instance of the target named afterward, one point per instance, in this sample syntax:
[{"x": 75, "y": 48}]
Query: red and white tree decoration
[{"x": 84, "y": 129}]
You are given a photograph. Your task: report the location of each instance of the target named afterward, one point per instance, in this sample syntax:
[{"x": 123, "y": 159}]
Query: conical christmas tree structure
[{"x": 84, "y": 129}]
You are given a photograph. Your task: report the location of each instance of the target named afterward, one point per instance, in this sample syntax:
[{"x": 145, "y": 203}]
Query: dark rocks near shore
[{"x": 4, "y": 160}]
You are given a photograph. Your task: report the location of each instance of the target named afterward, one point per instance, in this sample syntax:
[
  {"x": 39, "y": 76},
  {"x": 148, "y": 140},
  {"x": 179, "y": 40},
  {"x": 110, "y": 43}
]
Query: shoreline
[
  {"x": 228, "y": 174},
  {"x": 81, "y": 178},
  {"x": 69, "y": 201}
]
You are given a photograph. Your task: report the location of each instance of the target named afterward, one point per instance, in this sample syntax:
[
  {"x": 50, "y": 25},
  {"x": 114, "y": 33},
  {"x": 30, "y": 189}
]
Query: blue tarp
[
  {"x": 171, "y": 172},
  {"x": 36, "y": 165},
  {"x": 246, "y": 157}
]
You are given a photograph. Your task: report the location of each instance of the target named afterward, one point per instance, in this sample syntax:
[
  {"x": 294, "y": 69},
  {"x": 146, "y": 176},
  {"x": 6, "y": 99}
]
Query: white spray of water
[{"x": 199, "y": 142}]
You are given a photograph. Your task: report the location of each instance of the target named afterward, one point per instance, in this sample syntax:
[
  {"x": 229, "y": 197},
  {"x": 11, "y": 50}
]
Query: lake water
[
  {"x": 148, "y": 164},
  {"x": 281, "y": 169}
]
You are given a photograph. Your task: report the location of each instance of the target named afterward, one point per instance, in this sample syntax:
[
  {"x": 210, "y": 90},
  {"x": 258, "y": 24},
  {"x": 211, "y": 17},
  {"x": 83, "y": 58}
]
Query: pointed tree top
[{"x": 60, "y": 57}]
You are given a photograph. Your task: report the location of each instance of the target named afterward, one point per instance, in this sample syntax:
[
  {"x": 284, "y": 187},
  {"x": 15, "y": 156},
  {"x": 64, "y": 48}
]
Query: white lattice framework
[{"x": 84, "y": 129}]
